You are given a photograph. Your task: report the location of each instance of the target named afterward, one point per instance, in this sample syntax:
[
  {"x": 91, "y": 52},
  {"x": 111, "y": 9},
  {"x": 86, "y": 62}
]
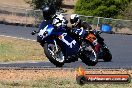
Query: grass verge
[
  {"x": 58, "y": 83},
  {"x": 19, "y": 50},
  {"x": 53, "y": 79}
]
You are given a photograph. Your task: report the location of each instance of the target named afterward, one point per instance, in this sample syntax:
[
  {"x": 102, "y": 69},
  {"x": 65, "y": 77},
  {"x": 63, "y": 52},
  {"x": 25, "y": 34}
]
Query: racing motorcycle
[
  {"x": 99, "y": 45},
  {"x": 60, "y": 47},
  {"x": 103, "y": 52}
]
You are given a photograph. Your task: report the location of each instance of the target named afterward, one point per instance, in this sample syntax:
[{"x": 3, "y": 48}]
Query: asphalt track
[{"x": 120, "y": 47}]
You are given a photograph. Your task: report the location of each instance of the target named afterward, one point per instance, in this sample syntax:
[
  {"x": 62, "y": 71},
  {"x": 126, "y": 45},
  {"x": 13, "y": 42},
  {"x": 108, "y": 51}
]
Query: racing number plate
[{"x": 91, "y": 37}]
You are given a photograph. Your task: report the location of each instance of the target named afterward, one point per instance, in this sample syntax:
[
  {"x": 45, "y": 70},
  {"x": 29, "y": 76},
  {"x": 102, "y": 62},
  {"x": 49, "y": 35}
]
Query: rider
[
  {"x": 48, "y": 12},
  {"x": 51, "y": 17},
  {"x": 77, "y": 23}
]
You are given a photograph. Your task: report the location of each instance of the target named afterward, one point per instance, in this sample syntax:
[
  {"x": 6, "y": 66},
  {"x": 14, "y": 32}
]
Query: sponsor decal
[{"x": 83, "y": 78}]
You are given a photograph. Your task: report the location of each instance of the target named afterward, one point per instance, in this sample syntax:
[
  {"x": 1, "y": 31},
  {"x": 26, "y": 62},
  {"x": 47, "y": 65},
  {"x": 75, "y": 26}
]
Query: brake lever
[
  {"x": 97, "y": 31},
  {"x": 33, "y": 32}
]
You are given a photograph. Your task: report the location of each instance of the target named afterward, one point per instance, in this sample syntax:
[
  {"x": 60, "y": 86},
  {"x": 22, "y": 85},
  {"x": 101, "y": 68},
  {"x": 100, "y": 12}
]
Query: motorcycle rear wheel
[
  {"x": 57, "y": 58},
  {"x": 107, "y": 57}
]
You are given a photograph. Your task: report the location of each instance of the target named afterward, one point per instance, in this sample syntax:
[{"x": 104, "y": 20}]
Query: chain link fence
[
  {"x": 16, "y": 15},
  {"x": 30, "y": 17},
  {"x": 118, "y": 25}
]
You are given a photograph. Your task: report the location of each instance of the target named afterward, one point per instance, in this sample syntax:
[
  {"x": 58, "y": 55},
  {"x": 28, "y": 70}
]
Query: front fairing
[
  {"x": 79, "y": 32},
  {"x": 46, "y": 32},
  {"x": 44, "y": 23},
  {"x": 48, "y": 39}
]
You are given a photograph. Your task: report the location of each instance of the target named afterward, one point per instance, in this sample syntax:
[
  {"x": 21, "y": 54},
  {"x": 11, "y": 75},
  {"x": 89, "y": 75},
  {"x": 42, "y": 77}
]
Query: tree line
[{"x": 102, "y": 8}]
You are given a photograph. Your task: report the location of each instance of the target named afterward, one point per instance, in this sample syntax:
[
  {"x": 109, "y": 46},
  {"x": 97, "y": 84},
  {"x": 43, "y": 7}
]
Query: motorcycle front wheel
[
  {"x": 89, "y": 57},
  {"x": 55, "y": 56}
]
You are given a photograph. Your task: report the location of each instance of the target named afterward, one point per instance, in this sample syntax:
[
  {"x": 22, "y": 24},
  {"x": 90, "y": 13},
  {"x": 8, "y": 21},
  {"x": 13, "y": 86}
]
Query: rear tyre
[
  {"x": 57, "y": 58},
  {"x": 107, "y": 57}
]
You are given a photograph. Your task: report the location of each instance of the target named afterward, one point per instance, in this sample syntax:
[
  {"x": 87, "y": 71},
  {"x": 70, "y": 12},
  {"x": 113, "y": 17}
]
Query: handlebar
[
  {"x": 97, "y": 31},
  {"x": 33, "y": 32}
]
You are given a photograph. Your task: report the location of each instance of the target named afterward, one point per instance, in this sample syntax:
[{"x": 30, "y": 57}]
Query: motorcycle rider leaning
[
  {"x": 51, "y": 17},
  {"x": 47, "y": 16},
  {"x": 77, "y": 23}
]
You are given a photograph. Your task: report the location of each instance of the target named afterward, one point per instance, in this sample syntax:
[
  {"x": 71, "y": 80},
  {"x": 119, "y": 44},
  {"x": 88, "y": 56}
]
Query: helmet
[
  {"x": 74, "y": 19},
  {"x": 48, "y": 11}
]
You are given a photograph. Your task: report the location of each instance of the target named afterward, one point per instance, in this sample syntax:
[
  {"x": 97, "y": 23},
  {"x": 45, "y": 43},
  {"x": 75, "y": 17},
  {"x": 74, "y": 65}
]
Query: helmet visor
[{"x": 72, "y": 21}]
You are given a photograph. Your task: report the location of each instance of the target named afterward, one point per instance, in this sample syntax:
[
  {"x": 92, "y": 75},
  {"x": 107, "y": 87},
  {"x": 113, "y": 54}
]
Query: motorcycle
[
  {"x": 60, "y": 47},
  {"x": 101, "y": 48}
]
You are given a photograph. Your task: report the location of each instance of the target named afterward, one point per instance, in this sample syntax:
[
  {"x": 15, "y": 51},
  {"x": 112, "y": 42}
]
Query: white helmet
[{"x": 74, "y": 19}]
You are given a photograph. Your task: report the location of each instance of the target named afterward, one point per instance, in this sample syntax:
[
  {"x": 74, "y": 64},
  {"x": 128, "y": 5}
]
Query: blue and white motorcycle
[{"x": 60, "y": 47}]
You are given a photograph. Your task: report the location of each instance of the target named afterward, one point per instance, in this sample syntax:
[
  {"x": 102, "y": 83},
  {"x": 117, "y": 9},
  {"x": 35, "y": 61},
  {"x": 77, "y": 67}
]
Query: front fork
[{"x": 56, "y": 47}]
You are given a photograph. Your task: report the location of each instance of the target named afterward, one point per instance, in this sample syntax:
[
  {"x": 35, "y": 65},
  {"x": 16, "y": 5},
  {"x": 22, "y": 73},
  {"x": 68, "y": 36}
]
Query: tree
[
  {"x": 37, "y": 4},
  {"x": 103, "y": 8},
  {"x": 127, "y": 14}
]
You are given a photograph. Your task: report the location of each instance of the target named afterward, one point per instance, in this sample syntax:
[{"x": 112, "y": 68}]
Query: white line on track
[{"x": 18, "y": 38}]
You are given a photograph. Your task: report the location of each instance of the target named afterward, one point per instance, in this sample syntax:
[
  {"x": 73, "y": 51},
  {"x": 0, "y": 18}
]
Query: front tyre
[
  {"x": 54, "y": 56},
  {"x": 89, "y": 57}
]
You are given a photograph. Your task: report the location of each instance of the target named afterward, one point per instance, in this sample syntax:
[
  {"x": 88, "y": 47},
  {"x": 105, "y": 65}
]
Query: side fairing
[{"x": 70, "y": 46}]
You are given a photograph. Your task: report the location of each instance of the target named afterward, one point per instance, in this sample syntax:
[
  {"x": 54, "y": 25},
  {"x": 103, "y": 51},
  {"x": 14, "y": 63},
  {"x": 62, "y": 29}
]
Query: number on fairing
[{"x": 79, "y": 31}]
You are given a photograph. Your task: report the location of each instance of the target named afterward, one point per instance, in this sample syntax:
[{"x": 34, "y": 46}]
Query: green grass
[
  {"x": 20, "y": 50},
  {"x": 57, "y": 83}
]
